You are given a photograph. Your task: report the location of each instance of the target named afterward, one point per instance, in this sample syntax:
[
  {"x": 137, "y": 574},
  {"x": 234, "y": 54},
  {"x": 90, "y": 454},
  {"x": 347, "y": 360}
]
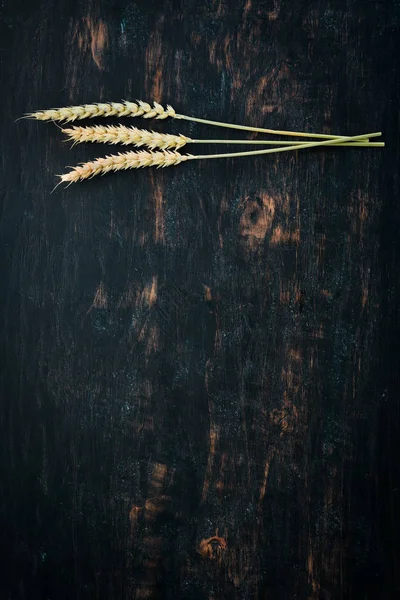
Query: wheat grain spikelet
[
  {"x": 120, "y": 134},
  {"x": 122, "y": 162},
  {"x": 103, "y": 109}
]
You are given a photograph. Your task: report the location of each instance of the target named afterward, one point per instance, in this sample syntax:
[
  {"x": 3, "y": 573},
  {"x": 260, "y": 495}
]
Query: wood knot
[
  {"x": 212, "y": 548},
  {"x": 285, "y": 418},
  {"x": 256, "y": 219}
]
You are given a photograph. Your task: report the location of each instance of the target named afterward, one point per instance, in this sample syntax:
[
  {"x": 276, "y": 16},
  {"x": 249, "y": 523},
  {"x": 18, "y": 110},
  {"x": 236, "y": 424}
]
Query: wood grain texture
[{"x": 199, "y": 368}]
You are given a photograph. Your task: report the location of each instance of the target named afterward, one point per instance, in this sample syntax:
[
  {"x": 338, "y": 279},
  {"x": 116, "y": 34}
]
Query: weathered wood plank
[{"x": 200, "y": 366}]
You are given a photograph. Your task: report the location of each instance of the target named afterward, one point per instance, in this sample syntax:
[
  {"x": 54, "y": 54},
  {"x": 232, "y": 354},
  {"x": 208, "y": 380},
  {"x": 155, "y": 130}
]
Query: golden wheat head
[
  {"x": 111, "y": 109},
  {"x": 122, "y": 162},
  {"x": 120, "y": 134}
]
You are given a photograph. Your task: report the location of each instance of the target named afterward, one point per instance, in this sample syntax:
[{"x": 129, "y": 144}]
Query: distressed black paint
[{"x": 199, "y": 366}]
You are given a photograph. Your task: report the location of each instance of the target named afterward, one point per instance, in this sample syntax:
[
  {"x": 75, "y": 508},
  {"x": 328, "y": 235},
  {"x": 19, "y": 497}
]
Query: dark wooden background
[{"x": 200, "y": 366}]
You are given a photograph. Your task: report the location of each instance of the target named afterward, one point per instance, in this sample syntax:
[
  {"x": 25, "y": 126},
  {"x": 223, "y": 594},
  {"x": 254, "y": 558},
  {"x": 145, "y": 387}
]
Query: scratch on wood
[
  {"x": 221, "y": 8},
  {"x": 247, "y": 7},
  {"x": 153, "y": 340},
  {"x": 158, "y": 478},
  {"x": 320, "y": 245},
  {"x": 315, "y": 586},
  {"x": 152, "y": 294},
  {"x": 128, "y": 297},
  {"x": 273, "y": 14},
  {"x": 99, "y": 34},
  {"x": 155, "y": 62},
  {"x": 146, "y": 297},
  {"x": 214, "y": 434},
  {"x": 364, "y": 297},
  {"x": 220, "y": 485},
  {"x": 228, "y": 54},
  {"x": 279, "y": 236},
  {"x": 318, "y": 333},
  {"x": 196, "y": 38},
  {"x": 207, "y": 293},
  {"x": 218, "y": 332},
  {"x": 159, "y": 217},
  {"x": 134, "y": 518},
  {"x": 100, "y": 299},
  {"x": 263, "y": 487},
  {"x": 291, "y": 293}
]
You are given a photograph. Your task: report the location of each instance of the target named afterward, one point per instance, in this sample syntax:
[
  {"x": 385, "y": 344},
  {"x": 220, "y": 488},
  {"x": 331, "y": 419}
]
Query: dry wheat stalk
[
  {"x": 121, "y": 162},
  {"x": 145, "y": 110},
  {"x": 135, "y": 160},
  {"x": 120, "y": 134},
  {"x": 109, "y": 134}
]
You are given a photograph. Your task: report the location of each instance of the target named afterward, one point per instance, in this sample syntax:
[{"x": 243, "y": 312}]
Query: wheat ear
[
  {"x": 109, "y": 134},
  {"x": 120, "y": 134},
  {"x": 135, "y": 160},
  {"x": 104, "y": 109},
  {"x": 122, "y": 162},
  {"x": 145, "y": 110}
]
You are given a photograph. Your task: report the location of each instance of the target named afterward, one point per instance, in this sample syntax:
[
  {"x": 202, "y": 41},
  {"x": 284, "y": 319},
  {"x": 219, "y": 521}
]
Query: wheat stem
[
  {"x": 360, "y": 144},
  {"x": 145, "y": 110},
  {"x": 335, "y": 141},
  {"x": 257, "y": 129}
]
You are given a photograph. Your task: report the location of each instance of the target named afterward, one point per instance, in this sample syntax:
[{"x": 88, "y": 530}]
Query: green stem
[
  {"x": 287, "y": 148},
  {"x": 284, "y": 143},
  {"x": 259, "y": 129}
]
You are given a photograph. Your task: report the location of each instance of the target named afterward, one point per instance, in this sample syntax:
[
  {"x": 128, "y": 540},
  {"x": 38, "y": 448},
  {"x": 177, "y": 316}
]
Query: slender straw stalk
[
  {"x": 360, "y": 144},
  {"x": 145, "y": 110},
  {"x": 120, "y": 134},
  {"x": 135, "y": 160},
  {"x": 258, "y": 129},
  {"x": 288, "y": 148}
]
